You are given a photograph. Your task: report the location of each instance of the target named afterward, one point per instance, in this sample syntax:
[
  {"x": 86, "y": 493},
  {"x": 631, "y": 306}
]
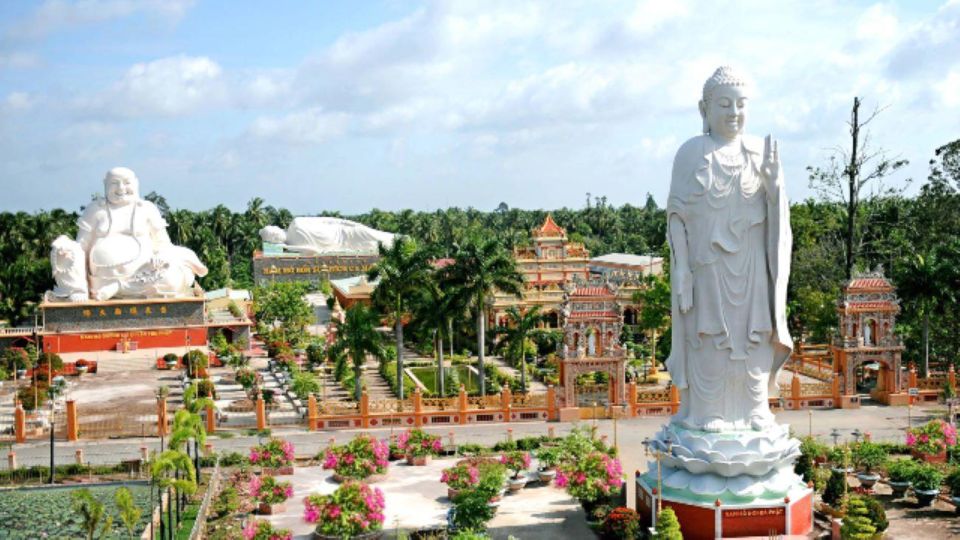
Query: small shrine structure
[
  {"x": 867, "y": 315},
  {"x": 592, "y": 321}
]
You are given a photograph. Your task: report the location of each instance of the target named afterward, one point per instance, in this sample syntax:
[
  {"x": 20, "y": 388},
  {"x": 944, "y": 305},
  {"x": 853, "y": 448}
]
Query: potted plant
[
  {"x": 591, "y": 479},
  {"x": 953, "y": 482},
  {"x": 464, "y": 475},
  {"x": 548, "y": 458},
  {"x": 270, "y": 494},
  {"x": 419, "y": 446},
  {"x": 261, "y": 529},
  {"x": 354, "y": 510},
  {"x": 870, "y": 456},
  {"x": 171, "y": 360},
  {"x": 275, "y": 456},
  {"x": 622, "y": 523},
  {"x": 930, "y": 441},
  {"x": 363, "y": 458},
  {"x": 840, "y": 456},
  {"x": 396, "y": 453},
  {"x": 517, "y": 462},
  {"x": 900, "y": 473},
  {"x": 926, "y": 483},
  {"x": 82, "y": 366}
]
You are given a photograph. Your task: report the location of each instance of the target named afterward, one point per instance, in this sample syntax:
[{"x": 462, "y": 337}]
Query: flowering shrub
[
  {"x": 273, "y": 453},
  {"x": 416, "y": 442},
  {"x": 592, "y": 477},
  {"x": 464, "y": 475},
  {"x": 517, "y": 461},
  {"x": 621, "y": 522},
  {"x": 932, "y": 438},
  {"x": 359, "y": 458},
  {"x": 246, "y": 377},
  {"x": 353, "y": 509},
  {"x": 263, "y": 530},
  {"x": 268, "y": 490}
]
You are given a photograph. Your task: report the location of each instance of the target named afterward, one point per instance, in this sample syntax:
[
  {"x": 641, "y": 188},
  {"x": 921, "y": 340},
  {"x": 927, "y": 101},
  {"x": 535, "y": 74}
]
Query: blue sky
[{"x": 356, "y": 105}]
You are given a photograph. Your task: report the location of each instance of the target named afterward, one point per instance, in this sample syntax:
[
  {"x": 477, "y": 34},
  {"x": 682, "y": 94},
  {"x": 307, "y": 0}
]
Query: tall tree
[
  {"x": 481, "y": 265},
  {"x": 654, "y": 301},
  {"x": 434, "y": 307},
  {"x": 516, "y": 335},
  {"x": 357, "y": 337},
  {"x": 402, "y": 270},
  {"x": 849, "y": 174}
]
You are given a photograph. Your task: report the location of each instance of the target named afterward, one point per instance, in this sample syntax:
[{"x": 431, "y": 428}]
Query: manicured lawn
[{"x": 428, "y": 376}]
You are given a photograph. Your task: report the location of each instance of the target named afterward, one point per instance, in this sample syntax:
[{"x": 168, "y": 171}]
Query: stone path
[{"x": 416, "y": 499}]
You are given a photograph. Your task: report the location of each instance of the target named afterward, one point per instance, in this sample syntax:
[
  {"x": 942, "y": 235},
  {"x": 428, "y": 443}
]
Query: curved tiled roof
[{"x": 550, "y": 228}]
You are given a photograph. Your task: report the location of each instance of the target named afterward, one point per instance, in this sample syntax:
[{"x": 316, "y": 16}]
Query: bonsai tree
[
  {"x": 856, "y": 524},
  {"x": 840, "y": 456},
  {"x": 868, "y": 455},
  {"x": 900, "y": 470},
  {"x": 836, "y": 488},
  {"x": 517, "y": 462},
  {"x": 91, "y": 512},
  {"x": 926, "y": 477},
  {"x": 548, "y": 456},
  {"x": 668, "y": 528}
]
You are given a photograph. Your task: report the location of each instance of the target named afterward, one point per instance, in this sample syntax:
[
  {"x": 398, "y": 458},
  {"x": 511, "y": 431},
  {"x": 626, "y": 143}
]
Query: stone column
[
  {"x": 506, "y": 402},
  {"x": 365, "y": 409},
  {"x": 73, "y": 427},
  {"x": 162, "y": 417},
  {"x": 795, "y": 391},
  {"x": 211, "y": 419},
  {"x": 78, "y": 455},
  {"x": 20, "y": 424},
  {"x": 674, "y": 399},
  {"x": 632, "y": 399},
  {"x": 551, "y": 403},
  {"x": 261, "y": 414},
  {"x": 462, "y": 404},
  {"x": 417, "y": 407},
  {"x": 311, "y": 412}
]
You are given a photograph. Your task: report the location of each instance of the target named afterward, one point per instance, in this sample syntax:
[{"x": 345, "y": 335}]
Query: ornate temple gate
[
  {"x": 867, "y": 314},
  {"x": 592, "y": 324}
]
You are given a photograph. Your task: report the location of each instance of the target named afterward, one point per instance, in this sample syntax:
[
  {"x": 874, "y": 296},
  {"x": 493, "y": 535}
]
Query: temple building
[
  {"x": 868, "y": 314},
  {"x": 546, "y": 265}
]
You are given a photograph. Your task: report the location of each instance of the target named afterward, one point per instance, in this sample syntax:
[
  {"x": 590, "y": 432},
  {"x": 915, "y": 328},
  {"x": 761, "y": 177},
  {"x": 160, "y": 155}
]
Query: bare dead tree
[{"x": 853, "y": 177}]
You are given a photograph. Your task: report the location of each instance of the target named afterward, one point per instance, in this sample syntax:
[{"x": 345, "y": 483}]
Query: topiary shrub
[
  {"x": 668, "y": 528},
  {"x": 856, "y": 524},
  {"x": 836, "y": 487},
  {"x": 875, "y": 511}
]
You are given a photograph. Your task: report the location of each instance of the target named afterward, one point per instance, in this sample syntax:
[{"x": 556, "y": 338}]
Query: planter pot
[
  {"x": 81, "y": 370},
  {"x": 899, "y": 488},
  {"x": 930, "y": 458},
  {"x": 925, "y": 497},
  {"x": 516, "y": 484},
  {"x": 266, "y": 509},
  {"x": 372, "y": 535},
  {"x": 373, "y": 478},
  {"x": 452, "y": 493},
  {"x": 867, "y": 480},
  {"x": 285, "y": 470},
  {"x": 394, "y": 456},
  {"x": 419, "y": 461},
  {"x": 547, "y": 476}
]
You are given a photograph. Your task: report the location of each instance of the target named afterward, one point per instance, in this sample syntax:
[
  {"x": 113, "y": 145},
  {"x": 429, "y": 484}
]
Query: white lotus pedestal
[{"x": 728, "y": 485}]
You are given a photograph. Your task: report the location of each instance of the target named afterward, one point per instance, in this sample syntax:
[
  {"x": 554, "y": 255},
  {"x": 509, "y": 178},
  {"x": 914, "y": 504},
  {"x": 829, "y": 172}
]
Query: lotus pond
[
  {"x": 47, "y": 512},
  {"x": 464, "y": 375}
]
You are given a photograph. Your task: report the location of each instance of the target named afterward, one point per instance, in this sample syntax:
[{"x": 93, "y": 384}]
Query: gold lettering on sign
[
  {"x": 758, "y": 512},
  {"x": 117, "y": 311},
  {"x": 87, "y": 313}
]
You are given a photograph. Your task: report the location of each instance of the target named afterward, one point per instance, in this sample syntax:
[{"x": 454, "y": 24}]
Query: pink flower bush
[
  {"x": 932, "y": 438},
  {"x": 268, "y": 490},
  {"x": 273, "y": 453},
  {"x": 591, "y": 477},
  {"x": 416, "y": 442},
  {"x": 360, "y": 458},
  {"x": 464, "y": 475},
  {"x": 517, "y": 461},
  {"x": 353, "y": 509},
  {"x": 263, "y": 530}
]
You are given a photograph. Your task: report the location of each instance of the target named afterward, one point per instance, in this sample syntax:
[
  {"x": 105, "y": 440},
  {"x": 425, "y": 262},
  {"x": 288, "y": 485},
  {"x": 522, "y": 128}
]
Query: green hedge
[{"x": 389, "y": 372}]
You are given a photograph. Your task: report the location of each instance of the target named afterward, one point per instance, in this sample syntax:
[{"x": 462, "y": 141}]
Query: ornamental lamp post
[
  {"x": 835, "y": 433},
  {"x": 53, "y": 408},
  {"x": 857, "y": 434}
]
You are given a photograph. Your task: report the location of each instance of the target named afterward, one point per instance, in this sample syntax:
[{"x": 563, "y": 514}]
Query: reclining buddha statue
[{"x": 126, "y": 250}]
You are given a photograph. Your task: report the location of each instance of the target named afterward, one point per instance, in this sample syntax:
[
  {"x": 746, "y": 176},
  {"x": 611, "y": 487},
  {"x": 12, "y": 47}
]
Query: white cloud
[
  {"x": 878, "y": 23},
  {"x": 18, "y": 60},
  {"x": 311, "y": 126},
  {"x": 54, "y": 15},
  {"x": 18, "y": 102},
  {"x": 165, "y": 87},
  {"x": 949, "y": 89}
]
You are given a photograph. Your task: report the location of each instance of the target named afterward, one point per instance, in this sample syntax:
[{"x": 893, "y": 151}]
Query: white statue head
[
  {"x": 724, "y": 102},
  {"x": 121, "y": 186},
  {"x": 273, "y": 234}
]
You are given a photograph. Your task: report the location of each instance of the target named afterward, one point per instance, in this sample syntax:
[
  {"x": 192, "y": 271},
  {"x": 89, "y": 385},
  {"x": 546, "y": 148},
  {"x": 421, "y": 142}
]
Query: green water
[{"x": 428, "y": 376}]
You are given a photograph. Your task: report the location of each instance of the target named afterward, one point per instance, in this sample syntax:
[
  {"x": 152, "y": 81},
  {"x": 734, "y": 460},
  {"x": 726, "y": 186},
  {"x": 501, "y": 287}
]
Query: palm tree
[
  {"x": 482, "y": 264},
  {"x": 516, "y": 334},
  {"x": 173, "y": 470},
  {"x": 434, "y": 309},
  {"x": 402, "y": 269},
  {"x": 357, "y": 337},
  {"x": 187, "y": 423}
]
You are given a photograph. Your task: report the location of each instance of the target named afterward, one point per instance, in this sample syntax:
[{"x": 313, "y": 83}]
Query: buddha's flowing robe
[{"x": 729, "y": 347}]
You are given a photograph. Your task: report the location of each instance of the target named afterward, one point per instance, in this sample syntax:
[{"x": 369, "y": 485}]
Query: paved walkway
[{"x": 416, "y": 499}]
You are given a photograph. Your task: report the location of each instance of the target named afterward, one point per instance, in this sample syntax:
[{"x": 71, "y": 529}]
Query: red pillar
[
  {"x": 73, "y": 428},
  {"x": 20, "y": 424},
  {"x": 261, "y": 414},
  {"x": 312, "y": 412}
]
